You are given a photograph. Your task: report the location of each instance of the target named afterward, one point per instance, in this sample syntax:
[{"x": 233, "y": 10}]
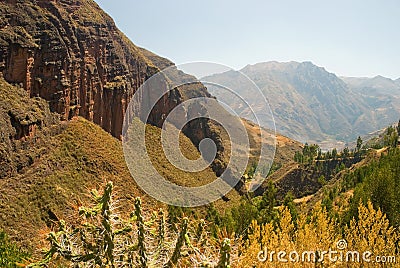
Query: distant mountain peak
[
  {"x": 312, "y": 104},
  {"x": 289, "y": 66},
  {"x": 308, "y": 63},
  {"x": 382, "y": 78}
]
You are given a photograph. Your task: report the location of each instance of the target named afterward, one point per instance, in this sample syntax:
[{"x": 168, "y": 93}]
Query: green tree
[
  {"x": 314, "y": 149},
  {"x": 268, "y": 200},
  {"x": 378, "y": 182},
  {"x": 244, "y": 214},
  {"x": 213, "y": 217},
  {"x": 327, "y": 201},
  {"x": 322, "y": 180},
  {"x": 319, "y": 156},
  {"x": 334, "y": 153},
  {"x": 328, "y": 155},
  {"x": 398, "y": 127},
  {"x": 267, "y": 204},
  {"x": 251, "y": 170},
  {"x": 391, "y": 137},
  {"x": 298, "y": 157},
  {"x": 306, "y": 149},
  {"x": 289, "y": 203},
  {"x": 359, "y": 143},
  {"x": 346, "y": 153}
]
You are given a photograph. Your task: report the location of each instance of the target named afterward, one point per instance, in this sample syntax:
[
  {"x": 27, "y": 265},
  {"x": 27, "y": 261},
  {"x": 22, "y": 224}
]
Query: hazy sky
[{"x": 349, "y": 38}]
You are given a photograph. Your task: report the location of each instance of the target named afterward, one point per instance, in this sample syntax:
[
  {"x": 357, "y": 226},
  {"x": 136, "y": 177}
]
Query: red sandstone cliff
[{"x": 71, "y": 54}]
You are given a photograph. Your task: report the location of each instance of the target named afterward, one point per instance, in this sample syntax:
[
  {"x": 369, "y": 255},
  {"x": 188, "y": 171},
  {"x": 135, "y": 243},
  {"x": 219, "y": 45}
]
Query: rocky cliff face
[
  {"x": 71, "y": 54},
  {"x": 23, "y": 122}
]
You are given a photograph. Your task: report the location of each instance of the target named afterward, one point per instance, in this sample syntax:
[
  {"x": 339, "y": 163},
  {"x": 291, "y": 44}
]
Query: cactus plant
[
  {"x": 106, "y": 222},
  {"x": 200, "y": 231},
  {"x": 105, "y": 240},
  {"x": 179, "y": 244},
  {"x": 161, "y": 228},
  {"x": 224, "y": 261},
  {"x": 142, "y": 258}
]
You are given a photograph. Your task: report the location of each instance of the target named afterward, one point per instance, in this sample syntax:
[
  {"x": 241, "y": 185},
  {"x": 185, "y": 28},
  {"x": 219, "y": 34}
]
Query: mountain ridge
[
  {"x": 311, "y": 104},
  {"x": 66, "y": 76},
  {"x": 74, "y": 57}
]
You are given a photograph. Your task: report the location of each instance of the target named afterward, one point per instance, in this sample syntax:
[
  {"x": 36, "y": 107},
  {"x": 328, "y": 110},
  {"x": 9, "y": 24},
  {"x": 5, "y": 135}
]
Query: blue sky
[{"x": 349, "y": 38}]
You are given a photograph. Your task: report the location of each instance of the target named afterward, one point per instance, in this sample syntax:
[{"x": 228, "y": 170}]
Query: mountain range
[
  {"x": 312, "y": 105},
  {"x": 67, "y": 78},
  {"x": 67, "y": 74}
]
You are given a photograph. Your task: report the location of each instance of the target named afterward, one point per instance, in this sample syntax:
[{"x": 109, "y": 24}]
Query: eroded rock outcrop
[
  {"x": 71, "y": 54},
  {"x": 23, "y": 121}
]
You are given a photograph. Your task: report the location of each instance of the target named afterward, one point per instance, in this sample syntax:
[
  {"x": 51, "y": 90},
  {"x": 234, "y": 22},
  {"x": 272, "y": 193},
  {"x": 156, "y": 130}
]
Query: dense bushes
[
  {"x": 316, "y": 234},
  {"x": 10, "y": 253},
  {"x": 379, "y": 182}
]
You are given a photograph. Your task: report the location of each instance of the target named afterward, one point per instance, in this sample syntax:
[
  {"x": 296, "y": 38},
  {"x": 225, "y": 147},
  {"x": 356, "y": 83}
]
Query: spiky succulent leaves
[
  {"x": 224, "y": 261},
  {"x": 200, "y": 231},
  {"x": 98, "y": 199},
  {"x": 108, "y": 234},
  {"x": 183, "y": 237},
  {"x": 59, "y": 244},
  {"x": 142, "y": 258},
  {"x": 104, "y": 240},
  {"x": 161, "y": 228}
]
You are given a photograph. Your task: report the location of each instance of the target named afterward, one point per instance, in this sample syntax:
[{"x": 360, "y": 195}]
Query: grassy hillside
[
  {"x": 53, "y": 166},
  {"x": 80, "y": 157},
  {"x": 48, "y": 166},
  {"x": 373, "y": 177}
]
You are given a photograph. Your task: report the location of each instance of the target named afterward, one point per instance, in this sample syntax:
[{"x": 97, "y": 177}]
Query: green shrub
[{"x": 10, "y": 253}]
